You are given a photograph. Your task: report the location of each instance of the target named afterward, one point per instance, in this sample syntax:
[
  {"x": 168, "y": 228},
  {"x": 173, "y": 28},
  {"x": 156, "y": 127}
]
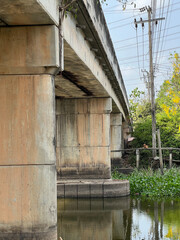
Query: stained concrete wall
[
  {"x": 83, "y": 137},
  {"x": 30, "y": 50},
  {"x": 28, "y": 178},
  {"x": 27, "y": 130},
  {"x": 31, "y": 12},
  {"x": 116, "y": 136}
]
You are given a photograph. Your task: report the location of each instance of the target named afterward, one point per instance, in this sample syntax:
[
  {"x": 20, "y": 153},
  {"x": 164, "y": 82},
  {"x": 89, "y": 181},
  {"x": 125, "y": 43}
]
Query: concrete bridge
[{"x": 62, "y": 99}]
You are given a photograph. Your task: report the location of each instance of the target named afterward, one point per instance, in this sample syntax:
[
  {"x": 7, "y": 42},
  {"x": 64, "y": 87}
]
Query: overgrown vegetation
[
  {"x": 153, "y": 184},
  {"x": 167, "y": 112}
]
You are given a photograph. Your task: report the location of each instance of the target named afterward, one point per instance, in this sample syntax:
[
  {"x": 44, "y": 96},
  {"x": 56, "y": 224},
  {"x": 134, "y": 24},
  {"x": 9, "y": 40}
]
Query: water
[{"x": 118, "y": 219}]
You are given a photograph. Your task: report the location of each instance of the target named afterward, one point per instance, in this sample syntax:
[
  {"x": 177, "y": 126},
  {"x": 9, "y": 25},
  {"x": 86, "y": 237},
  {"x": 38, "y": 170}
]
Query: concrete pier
[
  {"x": 83, "y": 138},
  {"x": 116, "y": 136},
  {"x": 27, "y": 131}
]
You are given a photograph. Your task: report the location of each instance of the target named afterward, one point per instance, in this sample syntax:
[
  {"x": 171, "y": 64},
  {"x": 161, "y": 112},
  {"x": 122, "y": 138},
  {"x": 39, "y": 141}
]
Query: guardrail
[{"x": 138, "y": 150}]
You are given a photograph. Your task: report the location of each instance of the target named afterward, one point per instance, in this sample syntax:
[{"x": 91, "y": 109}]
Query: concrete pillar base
[
  {"x": 104, "y": 188},
  {"x": 49, "y": 235}
]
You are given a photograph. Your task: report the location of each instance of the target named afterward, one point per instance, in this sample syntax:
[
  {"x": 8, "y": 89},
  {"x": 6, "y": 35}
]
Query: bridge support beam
[
  {"x": 83, "y": 138},
  {"x": 116, "y": 136},
  {"x": 27, "y": 132}
]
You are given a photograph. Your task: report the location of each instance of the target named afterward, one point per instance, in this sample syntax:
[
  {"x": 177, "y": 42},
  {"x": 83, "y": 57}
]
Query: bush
[{"x": 153, "y": 184}]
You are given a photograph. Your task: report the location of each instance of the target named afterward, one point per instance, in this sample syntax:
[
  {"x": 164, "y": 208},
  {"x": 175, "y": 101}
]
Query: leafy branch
[{"x": 66, "y": 5}]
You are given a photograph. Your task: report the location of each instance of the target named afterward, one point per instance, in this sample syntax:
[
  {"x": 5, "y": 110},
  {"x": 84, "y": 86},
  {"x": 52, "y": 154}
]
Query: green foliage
[
  {"x": 136, "y": 98},
  {"x": 168, "y": 101},
  {"x": 167, "y": 112},
  {"x": 142, "y": 133},
  {"x": 153, "y": 184}
]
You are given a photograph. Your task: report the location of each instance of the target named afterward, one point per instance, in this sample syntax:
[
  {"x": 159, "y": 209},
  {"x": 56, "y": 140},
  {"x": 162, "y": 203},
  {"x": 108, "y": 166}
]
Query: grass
[{"x": 152, "y": 184}]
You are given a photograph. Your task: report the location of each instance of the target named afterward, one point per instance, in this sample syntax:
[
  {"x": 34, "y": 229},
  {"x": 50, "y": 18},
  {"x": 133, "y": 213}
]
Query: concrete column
[
  {"x": 27, "y": 132},
  {"x": 126, "y": 133},
  {"x": 83, "y": 138},
  {"x": 116, "y": 136}
]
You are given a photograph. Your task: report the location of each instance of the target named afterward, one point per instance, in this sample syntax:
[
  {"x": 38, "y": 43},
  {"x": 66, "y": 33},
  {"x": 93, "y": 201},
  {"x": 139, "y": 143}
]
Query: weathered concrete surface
[
  {"x": 30, "y": 50},
  {"x": 49, "y": 235},
  {"x": 27, "y": 154},
  {"x": 84, "y": 188},
  {"x": 87, "y": 40},
  {"x": 83, "y": 127},
  {"x": 81, "y": 62},
  {"x": 126, "y": 133},
  {"x": 116, "y": 136},
  {"x": 27, "y": 124},
  {"x": 31, "y": 12},
  {"x": 24, "y": 189}
]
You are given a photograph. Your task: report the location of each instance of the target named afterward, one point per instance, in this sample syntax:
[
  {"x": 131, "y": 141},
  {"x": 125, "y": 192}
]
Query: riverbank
[{"x": 151, "y": 183}]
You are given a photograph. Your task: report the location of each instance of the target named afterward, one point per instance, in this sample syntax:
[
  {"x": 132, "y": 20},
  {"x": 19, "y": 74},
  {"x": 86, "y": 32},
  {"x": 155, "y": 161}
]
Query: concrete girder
[
  {"x": 81, "y": 61},
  {"x": 30, "y": 50},
  {"x": 31, "y": 12}
]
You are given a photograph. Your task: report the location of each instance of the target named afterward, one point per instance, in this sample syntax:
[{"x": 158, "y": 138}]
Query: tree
[
  {"x": 67, "y": 4},
  {"x": 167, "y": 113},
  {"x": 168, "y": 104}
]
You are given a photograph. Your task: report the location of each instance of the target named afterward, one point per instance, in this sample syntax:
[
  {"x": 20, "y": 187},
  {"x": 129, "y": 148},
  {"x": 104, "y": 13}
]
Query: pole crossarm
[{"x": 151, "y": 20}]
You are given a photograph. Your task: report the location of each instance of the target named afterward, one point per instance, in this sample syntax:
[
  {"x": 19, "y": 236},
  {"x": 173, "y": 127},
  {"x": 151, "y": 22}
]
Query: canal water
[{"x": 118, "y": 219}]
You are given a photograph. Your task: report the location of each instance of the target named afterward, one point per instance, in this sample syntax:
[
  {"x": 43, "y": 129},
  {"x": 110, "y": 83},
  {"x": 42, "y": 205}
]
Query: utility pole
[{"x": 151, "y": 71}]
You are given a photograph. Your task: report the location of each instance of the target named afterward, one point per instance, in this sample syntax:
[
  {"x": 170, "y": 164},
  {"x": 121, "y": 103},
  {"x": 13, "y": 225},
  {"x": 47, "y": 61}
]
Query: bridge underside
[{"x": 88, "y": 126}]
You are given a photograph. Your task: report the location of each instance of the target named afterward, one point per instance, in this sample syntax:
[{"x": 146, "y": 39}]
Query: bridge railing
[{"x": 139, "y": 150}]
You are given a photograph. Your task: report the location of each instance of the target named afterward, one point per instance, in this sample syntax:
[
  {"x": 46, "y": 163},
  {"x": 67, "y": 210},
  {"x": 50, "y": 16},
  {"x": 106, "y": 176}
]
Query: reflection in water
[
  {"x": 50, "y": 235},
  {"x": 156, "y": 220},
  {"x": 94, "y": 219},
  {"x": 118, "y": 219}
]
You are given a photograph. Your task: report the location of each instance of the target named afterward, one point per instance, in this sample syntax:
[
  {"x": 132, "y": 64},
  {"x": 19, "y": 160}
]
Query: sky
[{"x": 132, "y": 44}]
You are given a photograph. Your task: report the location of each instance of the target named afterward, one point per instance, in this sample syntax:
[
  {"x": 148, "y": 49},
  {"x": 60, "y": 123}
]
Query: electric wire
[
  {"x": 165, "y": 29},
  {"x": 123, "y": 59},
  {"x": 141, "y": 35},
  {"x": 138, "y": 53},
  {"x": 119, "y": 26},
  {"x": 141, "y": 43},
  {"x": 158, "y": 40},
  {"x": 109, "y": 23}
]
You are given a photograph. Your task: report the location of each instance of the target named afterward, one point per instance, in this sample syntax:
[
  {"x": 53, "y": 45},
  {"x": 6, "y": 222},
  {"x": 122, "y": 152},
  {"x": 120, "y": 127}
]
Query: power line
[
  {"x": 119, "y": 26},
  {"x": 144, "y": 35},
  {"x": 120, "y": 10},
  {"x": 120, "y": 20},
  {"x": 158, "y": 42},
  {"x": 138, "y": 53},
  {"x": 162, "y": 42},
  {"x": 140, "y": 43},
  {"x": 158, "y": 66},
  {"x": 140, "y": 60},
  {"x": 154, "y": 52}
]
